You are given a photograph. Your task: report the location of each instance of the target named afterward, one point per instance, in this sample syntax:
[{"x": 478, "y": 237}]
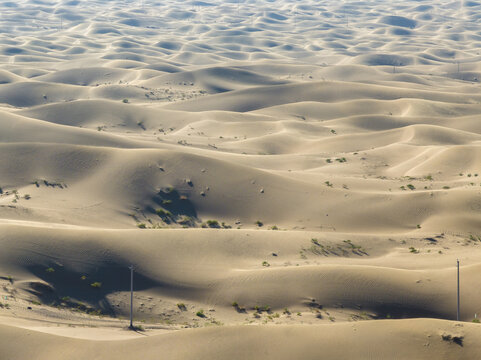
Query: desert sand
[{"x": 290, "y": 180}]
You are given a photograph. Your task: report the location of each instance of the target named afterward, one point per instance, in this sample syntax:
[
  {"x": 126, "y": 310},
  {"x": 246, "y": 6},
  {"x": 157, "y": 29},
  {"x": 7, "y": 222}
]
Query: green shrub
[
  {"x": 96, "y": 285},
  {"x": 200, "y": 313},
  {"x": 163, "y": 213},
  {"x": 50, "y": 270},
  {"x": 213, "y": 224}
]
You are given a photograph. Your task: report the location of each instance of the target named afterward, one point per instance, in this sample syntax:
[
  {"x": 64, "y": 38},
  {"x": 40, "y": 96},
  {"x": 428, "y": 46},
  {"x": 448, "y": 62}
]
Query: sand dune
[
  {"x": 281, "y": 342},
  {"x": 290, "y": 180}
]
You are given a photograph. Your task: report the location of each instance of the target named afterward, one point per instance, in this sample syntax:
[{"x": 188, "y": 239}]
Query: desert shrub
[
  {"x": 163, "y": 213},
  {"x": 213, "y": 224}
]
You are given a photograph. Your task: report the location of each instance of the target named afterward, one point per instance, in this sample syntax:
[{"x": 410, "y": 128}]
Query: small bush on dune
[{"x": 213, "y": 224}]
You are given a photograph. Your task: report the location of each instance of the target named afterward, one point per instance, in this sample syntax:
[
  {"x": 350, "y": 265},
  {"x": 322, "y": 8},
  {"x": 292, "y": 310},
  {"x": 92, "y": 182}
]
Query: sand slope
[{"x": 361, "y": 341}]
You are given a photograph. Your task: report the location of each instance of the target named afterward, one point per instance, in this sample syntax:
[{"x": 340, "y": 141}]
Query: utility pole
[
  {"x": 457, "y": 317},
  {"x": 131, "y": 267}
]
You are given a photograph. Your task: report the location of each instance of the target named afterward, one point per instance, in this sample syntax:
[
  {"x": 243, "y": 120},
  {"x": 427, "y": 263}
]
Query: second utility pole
[{"x": 457, "y": 317}]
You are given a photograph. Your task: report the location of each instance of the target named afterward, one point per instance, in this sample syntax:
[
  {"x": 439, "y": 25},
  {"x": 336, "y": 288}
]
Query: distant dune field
[{"x": 290, "y": 180}]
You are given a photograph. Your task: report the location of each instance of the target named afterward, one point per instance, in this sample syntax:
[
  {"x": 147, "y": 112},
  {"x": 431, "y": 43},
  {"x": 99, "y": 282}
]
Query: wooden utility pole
[
  {"x": 131, "y": 267},
  {"x": 457, "y": 317}
]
